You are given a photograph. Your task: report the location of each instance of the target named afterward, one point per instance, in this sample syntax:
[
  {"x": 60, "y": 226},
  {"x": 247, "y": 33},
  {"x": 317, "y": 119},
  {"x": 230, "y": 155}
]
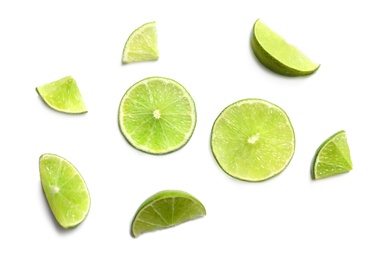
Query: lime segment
[
  {"x": 278, "y": 55},
  {"x": 253, "y": 140},
  {"x": 157, "y": 115},
  {"x": 332, "y": 157},
  {"x": 65, "y": 190},
  {"x": 166, "y": 209}
]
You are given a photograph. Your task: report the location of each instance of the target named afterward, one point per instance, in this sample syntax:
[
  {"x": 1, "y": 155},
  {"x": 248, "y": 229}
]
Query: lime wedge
[
  {"x": 253, "y": 140},
  {"x": 278, "y": 55},
  {"x": 65, "y": 190},
  {"x": 332, "y": 157},
  {"x": 157, "y": 115},
  {"x": 63, "y": 95},
  {"x": 141, "y": 44},
  {"x": 166, "y": 209}
]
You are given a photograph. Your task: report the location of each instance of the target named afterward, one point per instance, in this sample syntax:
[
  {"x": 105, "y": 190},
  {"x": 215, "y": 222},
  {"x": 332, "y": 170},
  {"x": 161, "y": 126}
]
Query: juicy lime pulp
[
  {"x": 332, "y": 157},
  {"x": 63, "y": 95},
  {"x": 157, "y": 115},
  {"x": 65, "y": 190},
  {"x": 166, "y": 209},
  {"x": 253, "y": 140},
  {"x": 141, "y": 45},
  {"x": 278, "y": 55}
]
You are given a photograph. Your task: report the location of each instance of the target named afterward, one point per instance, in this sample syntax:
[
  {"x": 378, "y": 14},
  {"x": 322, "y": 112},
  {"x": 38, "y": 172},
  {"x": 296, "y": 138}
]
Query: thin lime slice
[
  {"x": 65, "y": 190},
  {"x": 63, "y": 95},
  {"x": 166, "y": 209},
  {"x": 141, "y": 44},
  {"x": 253, "y": 140},
  {"x": 278, "y": 55},
  {"x": 332, "y": 157},
  {"x": 157, "y": 115}
]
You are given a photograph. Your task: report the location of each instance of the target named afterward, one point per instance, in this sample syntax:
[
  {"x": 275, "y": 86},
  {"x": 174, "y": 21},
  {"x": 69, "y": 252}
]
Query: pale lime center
[
  {"x": 157, "y": 114},
  {"x": 252, "y": 139}
]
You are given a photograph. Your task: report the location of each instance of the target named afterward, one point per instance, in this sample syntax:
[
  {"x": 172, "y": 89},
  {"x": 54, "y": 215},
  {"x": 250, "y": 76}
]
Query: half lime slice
[
  {"x": 278, "y": 55},
  {"x": 65, "y": 190},
  {"x": 166, "y": 209},
  {"x": 332, "y": 157},
  {"x": 157, "y": 115},
  {"x": 63, "y": 95},
  {"x": 253, "y": 140},
  {"x": 141, "y": 44}
]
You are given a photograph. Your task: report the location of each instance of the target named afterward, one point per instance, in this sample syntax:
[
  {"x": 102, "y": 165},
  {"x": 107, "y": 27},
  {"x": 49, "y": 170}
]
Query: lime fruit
[
  {"x": 63, "y": 95},
  {"x": 332, "y": 157},
  {"x": 65, "y": 190},
  {"x": 141, "y": 44},
  {"x": 278, "y": 55},
  {"x": 166, "y": 209},
  {"x": 157, "y": 115},
  {"x": 253, "y": 140}
]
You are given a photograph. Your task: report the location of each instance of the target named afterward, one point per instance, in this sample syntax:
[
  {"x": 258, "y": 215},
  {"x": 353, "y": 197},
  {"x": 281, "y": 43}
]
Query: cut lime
[
  {"x": 278, "y": 55},
  {"x": 65, "y": 190},
  {"x": 332, "y": 157},
  {"x": 253, "y": 140},
  {"x": 166, "y": 209},
  {"x": 157, "y": 115},
  {"x": 63, "y": 95},
  {"x": 141, "y": 44}
]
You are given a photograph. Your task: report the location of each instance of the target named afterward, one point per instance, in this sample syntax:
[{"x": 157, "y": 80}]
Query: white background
[{"x": 205, "y": 46}]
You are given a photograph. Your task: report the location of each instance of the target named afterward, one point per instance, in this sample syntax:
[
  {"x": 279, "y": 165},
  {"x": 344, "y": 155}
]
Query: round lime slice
[
  {"x": 166, "y": 209},
  {"x": 278, "y": 55},
  {"x": 157, "y": 115},
  {"x": 253, "y": 140},
  {"x": 65, "y": 190},
  {"x": 63, "y": 95},
  {"x": 141, "y": 44},
  {"x": 332, "y": 157}
]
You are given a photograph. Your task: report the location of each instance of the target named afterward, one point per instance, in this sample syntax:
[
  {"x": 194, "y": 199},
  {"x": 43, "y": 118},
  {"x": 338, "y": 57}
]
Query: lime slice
[
  {"x": 63, "y": 95},
  {"x": 278, "y": 55},
  {"x": 332, "y": 157},
  {"x": 141, "y": 44},
  {"x": 166, "y": 209},
  {"x": 253, "y": 140},
  {"x": 65, "y": 190},
  {"x": 157, "y": 115}
]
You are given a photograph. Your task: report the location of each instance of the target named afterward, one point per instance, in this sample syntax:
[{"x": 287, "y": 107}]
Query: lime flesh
[
  {"x": 166, "y": 209},
  {"x": 65, "y": 190},
  {"x": 253, "y": 140},
  {"x": 332, "y": 157},
  {"x": 141, "y": 45},
  {"x": 63, "y": 95},
  {"x": 278, "y": 55},
  {"x": 157, "y": 115}
]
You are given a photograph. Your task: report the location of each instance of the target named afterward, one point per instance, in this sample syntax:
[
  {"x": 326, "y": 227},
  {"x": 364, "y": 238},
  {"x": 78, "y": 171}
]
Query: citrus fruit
[
  {"x": 157, "y": 115},
  {"x": 63, "y": 95},
  {"x": 278, "y": 55},
  {"x": 141, "y": 44},
  {"x": 166, "y": 209},
  {"x": 65, "y": 190},
  {"x": 332, "y": 157},
  {"x": 253, "y": 140}
]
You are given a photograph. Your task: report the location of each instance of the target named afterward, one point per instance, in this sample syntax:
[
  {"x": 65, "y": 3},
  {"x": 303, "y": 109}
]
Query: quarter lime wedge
[
  {"x": 141, "y": 44},
  {"x": 253, "y": 140},
  {"x": 63, "y": 95},
  {"x": 65, "y": 190},
  {"x": 278, "y": 55},
  {"x": 166, "y": 209},
  {"x": 332, "y": 157},
  {"x": 157, "y": 115}
]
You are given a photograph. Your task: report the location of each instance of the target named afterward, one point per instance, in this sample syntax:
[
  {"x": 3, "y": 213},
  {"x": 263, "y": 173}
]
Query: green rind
[
  {"x": 65, "y": 225},
  {"x": 143, "y": 148},
  {"x": 242, "y": 179},
  {"x": 314, "y": 163},
  {"x": 160, "y": 196}
]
